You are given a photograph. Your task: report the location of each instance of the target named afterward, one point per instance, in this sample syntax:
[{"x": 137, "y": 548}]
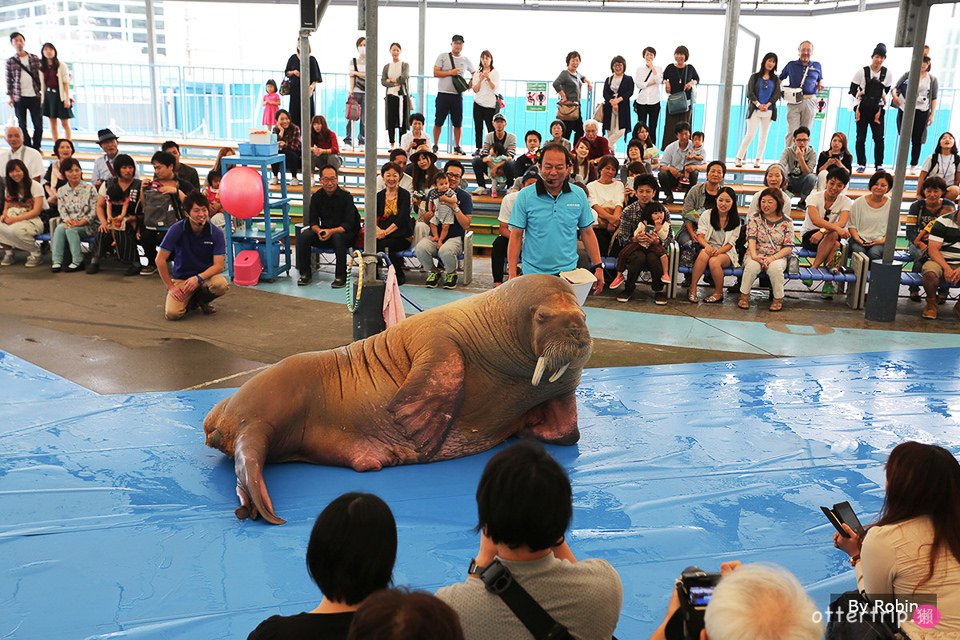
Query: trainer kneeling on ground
[{"x": 198, "y": 250}]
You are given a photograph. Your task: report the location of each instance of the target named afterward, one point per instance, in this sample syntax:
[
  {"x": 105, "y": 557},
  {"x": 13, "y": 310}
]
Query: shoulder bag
[
  {"x": 678, "y": 103},
  {"x": 598, "y": 112},
  {"x": 353, "y": 108},
  {"x": 459, "y": 82},
  {"x": 794, "y": 95}
]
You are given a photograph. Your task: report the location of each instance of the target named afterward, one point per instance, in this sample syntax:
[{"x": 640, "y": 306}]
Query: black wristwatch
[
  {"x": 199, "y": 279},
  {"x": 599, "y": 265}
]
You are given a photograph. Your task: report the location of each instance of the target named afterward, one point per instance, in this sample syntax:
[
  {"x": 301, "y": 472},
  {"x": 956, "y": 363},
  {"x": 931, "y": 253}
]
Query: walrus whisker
[
  {"x": 560, "y": 372},
  {"x": 538, "y": 372}
]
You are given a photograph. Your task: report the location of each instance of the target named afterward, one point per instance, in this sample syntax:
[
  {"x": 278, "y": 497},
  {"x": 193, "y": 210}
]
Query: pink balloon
[{"x": 241, "y": 192}]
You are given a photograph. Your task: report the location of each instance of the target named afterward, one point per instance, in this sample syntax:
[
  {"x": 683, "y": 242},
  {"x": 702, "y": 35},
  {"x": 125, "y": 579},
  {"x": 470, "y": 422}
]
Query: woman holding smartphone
[{"x": 914, "y": 548}]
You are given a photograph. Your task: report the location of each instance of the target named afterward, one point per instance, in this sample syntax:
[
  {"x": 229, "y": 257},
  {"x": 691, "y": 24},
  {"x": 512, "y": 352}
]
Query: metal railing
[{"x": 212, "y": 103}]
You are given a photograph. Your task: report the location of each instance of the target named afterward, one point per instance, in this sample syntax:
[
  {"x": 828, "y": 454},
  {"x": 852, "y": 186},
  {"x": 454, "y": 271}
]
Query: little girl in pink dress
[{"x": 271, "y": 103}]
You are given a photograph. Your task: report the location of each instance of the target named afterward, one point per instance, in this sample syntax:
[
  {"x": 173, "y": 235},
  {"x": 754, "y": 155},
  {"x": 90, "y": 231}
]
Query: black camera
[{"x": 694, "y": 589}]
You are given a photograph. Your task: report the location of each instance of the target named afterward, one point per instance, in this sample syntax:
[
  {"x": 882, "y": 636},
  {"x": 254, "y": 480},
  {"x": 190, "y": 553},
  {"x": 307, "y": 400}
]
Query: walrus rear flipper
[
  {"x": 430, "y": 398},
  {"x": 250, "y": 454}
]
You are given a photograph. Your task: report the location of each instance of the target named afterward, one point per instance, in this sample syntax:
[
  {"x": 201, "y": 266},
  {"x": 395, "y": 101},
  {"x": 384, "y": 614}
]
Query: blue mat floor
[{"x": 118, "y": 521}]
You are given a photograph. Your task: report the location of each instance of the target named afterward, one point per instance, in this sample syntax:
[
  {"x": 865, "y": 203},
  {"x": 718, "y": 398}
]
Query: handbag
[
  {"x": 285, "y": 86},
  {"x": 678, "y": 103},
  {"x": 794, "y": 95},
  {"x": 353, "y": 108},
  {"x": 459, "y": 82},
  {"x": 568, "y": 110}
]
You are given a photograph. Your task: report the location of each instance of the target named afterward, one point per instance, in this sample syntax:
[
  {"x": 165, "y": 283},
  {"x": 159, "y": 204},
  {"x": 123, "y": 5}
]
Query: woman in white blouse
[
  {"x": 606, "y": 195},
  {"x": 914, "y": 548},
  {"x": 717, "y": 233},
  {"x": 485, "y": 100},
  {"x": 648, "y": 79}
]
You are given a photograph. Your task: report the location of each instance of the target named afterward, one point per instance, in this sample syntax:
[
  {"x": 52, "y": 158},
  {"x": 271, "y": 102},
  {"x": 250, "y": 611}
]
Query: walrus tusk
[
  {"x": 559, "y": 372},
  {"x": 538, "y": 372}
]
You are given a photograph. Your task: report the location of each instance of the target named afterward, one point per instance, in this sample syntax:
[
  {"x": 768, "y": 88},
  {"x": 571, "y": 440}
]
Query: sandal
[
  {"x": 693, "y": 298},
  {"x": 744, "y": 301},
  {"x": 714, "y": 299},
  {"x": 739, "y": 163},
  {"x": 776, "y": 304}
]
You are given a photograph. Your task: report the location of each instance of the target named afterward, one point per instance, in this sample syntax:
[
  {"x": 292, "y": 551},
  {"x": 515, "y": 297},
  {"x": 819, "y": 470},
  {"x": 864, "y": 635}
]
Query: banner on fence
[
  {"x": 822, "y": 104},
  {"x": 536, "y": 96}
]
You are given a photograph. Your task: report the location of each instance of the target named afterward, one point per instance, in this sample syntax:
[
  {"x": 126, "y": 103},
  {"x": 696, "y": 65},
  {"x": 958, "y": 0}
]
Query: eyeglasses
[
  {"x": 454, "y": 175},
  {"x": 802, "y": 139},
  {"x": 328, "y": 178}
]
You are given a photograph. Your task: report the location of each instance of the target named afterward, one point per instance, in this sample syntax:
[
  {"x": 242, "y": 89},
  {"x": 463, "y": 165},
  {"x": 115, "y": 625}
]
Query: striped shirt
[{"x": 945, "y": 230}]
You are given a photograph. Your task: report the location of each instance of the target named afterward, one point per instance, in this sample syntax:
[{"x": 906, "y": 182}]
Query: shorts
[
  {"x": 933, "y": 267},
  {"x": 805, "y": 241},
  {"x": 449, "y": 104}
]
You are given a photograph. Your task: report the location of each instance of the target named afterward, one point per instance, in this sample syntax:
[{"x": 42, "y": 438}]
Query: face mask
[{"x": 362, "y": 50}]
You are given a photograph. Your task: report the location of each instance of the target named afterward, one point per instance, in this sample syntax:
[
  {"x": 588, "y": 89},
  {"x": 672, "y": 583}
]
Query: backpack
[
  {"x": 160, "y": 210},
  {"x": 873, "y": 89}
]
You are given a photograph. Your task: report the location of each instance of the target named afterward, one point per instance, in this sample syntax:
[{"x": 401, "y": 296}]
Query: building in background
[{"x": 113, "y": 30}]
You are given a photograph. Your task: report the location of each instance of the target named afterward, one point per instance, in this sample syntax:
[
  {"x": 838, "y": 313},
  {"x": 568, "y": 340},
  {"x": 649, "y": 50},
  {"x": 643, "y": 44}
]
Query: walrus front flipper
[
  {"x": 431, "y": 397},
  {"x": 553, "y": 421},
  {"x": 250, "y": 454}
]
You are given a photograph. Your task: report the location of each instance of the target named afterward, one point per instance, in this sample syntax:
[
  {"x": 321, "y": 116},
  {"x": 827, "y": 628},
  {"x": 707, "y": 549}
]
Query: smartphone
[
  {"x": 649, "y": 228},
  {"x": 843, "y": 514}
]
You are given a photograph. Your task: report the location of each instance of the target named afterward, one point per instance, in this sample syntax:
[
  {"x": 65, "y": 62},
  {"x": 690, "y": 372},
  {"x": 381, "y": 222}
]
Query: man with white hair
[
  {"x": 753, "y": 602},
  {"x": 599, "y": 146},
  {"x": 19, "y": 151}
]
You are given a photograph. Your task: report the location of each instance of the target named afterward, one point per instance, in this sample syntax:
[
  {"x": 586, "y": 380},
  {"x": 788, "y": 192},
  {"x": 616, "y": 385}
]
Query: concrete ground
[{"x": 107, "y": 332}]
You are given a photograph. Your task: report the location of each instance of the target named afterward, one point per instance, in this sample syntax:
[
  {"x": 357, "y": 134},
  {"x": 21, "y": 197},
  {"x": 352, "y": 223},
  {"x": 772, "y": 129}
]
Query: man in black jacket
[{"x": 333, "y": 223}]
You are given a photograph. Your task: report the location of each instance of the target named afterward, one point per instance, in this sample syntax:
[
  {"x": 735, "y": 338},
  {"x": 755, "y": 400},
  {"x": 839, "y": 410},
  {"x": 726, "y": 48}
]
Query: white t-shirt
[
  {"x": 26, "y": 81},
  {"x": 30, "y": 157},
  {"x": 406, "y": 140},
  {"x": 861, "y": 81},
  {"x": 648, "y": 93},
  {"x": 605, "y": 195},
  {"x": 443, "y": 61},
  {"x": 393, "y": 73},
  {"x": 485, "y": 96},
  {"x": 506, "y": 206},
  {"x": 895, "y": 560},
  {"x": 870, "y": 223},
  {"x": 358, "y": 83},
  {"x": 943, "y": 166},
  {"x": 816, "y": 199}
]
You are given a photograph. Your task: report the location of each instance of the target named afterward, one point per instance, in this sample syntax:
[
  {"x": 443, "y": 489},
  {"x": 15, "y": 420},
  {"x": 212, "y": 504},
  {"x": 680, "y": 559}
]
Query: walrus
[{"x": 449, "y": 382}]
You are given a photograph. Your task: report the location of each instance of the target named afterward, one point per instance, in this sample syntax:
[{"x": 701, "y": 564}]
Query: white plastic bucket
[{"x": 582, "y": 282}]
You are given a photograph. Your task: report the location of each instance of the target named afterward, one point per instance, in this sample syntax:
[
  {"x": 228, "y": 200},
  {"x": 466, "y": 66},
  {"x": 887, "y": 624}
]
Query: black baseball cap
[{"x": 457, "y": 38}]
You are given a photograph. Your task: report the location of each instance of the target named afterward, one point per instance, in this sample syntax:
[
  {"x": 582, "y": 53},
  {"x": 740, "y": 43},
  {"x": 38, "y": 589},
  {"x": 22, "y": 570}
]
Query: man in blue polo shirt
[
  {"x": 198, "y": 250},
  {"x": 807, "y": 76},
  {"x": 546, "y": 219}
]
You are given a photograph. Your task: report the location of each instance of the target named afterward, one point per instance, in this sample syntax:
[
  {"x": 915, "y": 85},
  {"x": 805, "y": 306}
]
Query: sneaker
[
  {"x": 665, "y": 278},
  {"x": 132, "y": 270},
  {"x": 827, "y": 292},
  {"x": 878, "y": 168},
  {"x": 930, "y": 312},
  {"x": 338, "y": 283},
  {"x": 148, "y": 270},
  {"x": 617, "y": 281},
  {"x": 802, "y": 205},
  {"x": 304, "y": 280},
  {"x": 478, "y": 152},
  {"x": 861, "y": 168},
  {"x": 685, "y": 180},
  {"x": 348, "y": 142},
  {"x": 479, "y": 191},
  {"x": 94, "y": 267},
  {"x": 33, "y": 261},
  {"x": 450, "y": 282},
  {"x": 294, "y": 182},
  {"x": 457, "y": 151},
  {"x": 433, "y": 279},
  {"x": 7, "y": 258},
  {"x": 56, "y": 267},
  {"x": 660, "y": 298},
  {"x": 915, "y": 295},
  {"x": 73, "y": 267},
  {"x": 623, "y": 297},
  {"x": 435, "y": 149},
  {"x": 275, "y": 180}
]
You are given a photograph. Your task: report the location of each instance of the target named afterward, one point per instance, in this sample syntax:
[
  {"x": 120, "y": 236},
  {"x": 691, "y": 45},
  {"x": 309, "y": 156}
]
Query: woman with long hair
[
  {"x": 323, "y": 145},
  {"x": 584, "y": 172},
  {"x": 289, "y": 141},
  {"x": 763, "y": 93},
  {"x": 837, "y": 156},
  {"x": 20, "y": 221},
  {"x": 945, "y": 162},
  {"x": 55, "y": 84},
  {"x": 485, "y": 83},
  {"x": 651, "y": 154},
  {"x": 424, "y": 174},
  {"x": 717, "y": 233},
  {"x": 914, "y": 548}
]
